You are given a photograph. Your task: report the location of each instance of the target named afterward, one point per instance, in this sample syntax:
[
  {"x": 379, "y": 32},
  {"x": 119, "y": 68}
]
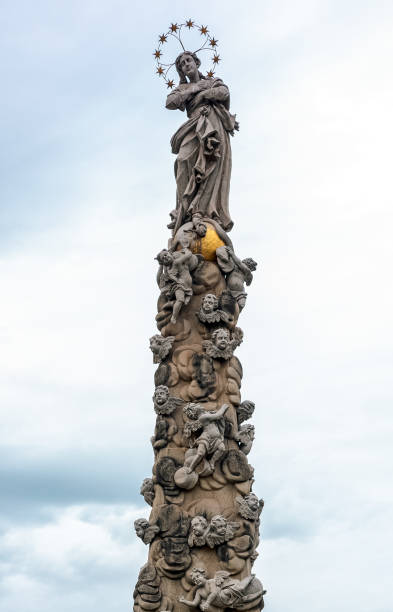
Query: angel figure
[
  {"x": 199, "y": 528},
  {"x": 222, "y": 344},
  {"x": 237, "y": 272},
  {"x": 244, "y": 411},
  {"x": 223, "y": 591},
  {"x": 210, "y": 443},
  {"x": 174, "y": 277},
  {"x": 147, "y": 490},
  {"x": 164, "y": 404},
  {"x": 161, "y": 346},
  {"x": 220, "y": 531},
  {"x": 249, "y": 506},
  {"x": 209, "y": 311},
  {"x": 245, "y": 437},
  {"x": 145, "y": 531}
]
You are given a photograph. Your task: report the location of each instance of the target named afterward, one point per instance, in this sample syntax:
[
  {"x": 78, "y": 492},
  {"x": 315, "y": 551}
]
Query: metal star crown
[{"x": 175, "y": 30}]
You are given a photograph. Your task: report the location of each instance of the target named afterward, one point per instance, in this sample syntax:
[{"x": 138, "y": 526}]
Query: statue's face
[
  {"x": 188, "y": 65},
  {"x": 154, "y": 344},
  {"x": 140, "y": 529},
  {"x": 199, "y": 579},
  {"x": 219, "y": 580},
  {"x": 222, "y": 339},
  {"x": 252, "y": 502},
  {"x": 209, "y": 302},
  {"x": 201, "y": 229},
  {"x": 161, "y": 395},
  {"x": 220, "y": 526},
  {"x": 198, "y": 526},
  {"x": 166, "y": 258}
]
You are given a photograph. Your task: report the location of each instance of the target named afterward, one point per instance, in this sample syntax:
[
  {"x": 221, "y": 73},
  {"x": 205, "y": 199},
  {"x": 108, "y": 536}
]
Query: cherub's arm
[
  {"x": 191, "y": 604},
  {"x": 214, "y": 416}
]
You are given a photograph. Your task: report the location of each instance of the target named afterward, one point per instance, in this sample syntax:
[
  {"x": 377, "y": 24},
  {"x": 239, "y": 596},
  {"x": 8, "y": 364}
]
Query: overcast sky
[{"x": 86, "y": 186}]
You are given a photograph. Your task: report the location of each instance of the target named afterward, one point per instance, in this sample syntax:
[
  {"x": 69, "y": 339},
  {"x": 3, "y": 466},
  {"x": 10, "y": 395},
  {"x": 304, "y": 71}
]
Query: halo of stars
[{"x": 209, "y": 43}]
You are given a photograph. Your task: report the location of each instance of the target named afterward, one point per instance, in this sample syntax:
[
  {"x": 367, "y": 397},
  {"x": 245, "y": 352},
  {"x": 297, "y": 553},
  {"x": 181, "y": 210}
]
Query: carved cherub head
[
  {"x": 147, "y": 490},
  {"x": 161, "y": 395},
  {"x": 193, "y": 411},
  {"x": 198, "y": 575},
  {"x": 249, "y": 506},
  {"x": 140, "y": 527},
  {"x": 250, "y": 263},
  {"x": 221, "y": 338},
  {"x": 209, "y": 303},
  {"x": 161, "y": 346},
  {"x": 220, "y": 577},
  {"x": 198, "y": 525},
  {"x": 165, "y": 257},
  {"x": 218, "y": 525}
]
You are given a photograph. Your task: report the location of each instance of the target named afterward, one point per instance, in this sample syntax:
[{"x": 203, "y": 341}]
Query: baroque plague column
[{"x": 203, "y": 529}]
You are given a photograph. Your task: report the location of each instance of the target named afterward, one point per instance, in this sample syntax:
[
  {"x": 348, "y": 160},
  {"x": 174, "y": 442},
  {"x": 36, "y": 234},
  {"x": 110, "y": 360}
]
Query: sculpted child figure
[
  {"x": 237, "y": 272},
  {"x": 210, "y": 443},
  {"x": 174, "y": 277}
]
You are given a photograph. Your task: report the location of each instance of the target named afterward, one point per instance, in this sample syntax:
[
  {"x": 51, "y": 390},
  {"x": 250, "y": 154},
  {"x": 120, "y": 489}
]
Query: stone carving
[
  {"x": 209, "y": 311},
  {"x": 172, "y": 554},
  {"x": 174, "y": 278},
  {"x": 237, "y": 272},
  {"x": 203, "y": 164},
  {"x": 223, "y": 591},
  {"x": 204, "y": 373},
  {"x": 161, "y": 346},
  {"x": 209, "y": 444},
  {"x": 245, "y": 411},
  {"x": 220, "y": 531},
  {"x": 165, "y": 470},
  {"x": 249, "y": 506},
  {"x": 199, "y": 528},
  {"x": 147, "y": 490},
  {"x": 164, "y": 404},
  {"x": 245, "y": 437},
  {"x": 145, "y": 531},
  {"x": 147, "y": 593},
  {"x": 222, "y": 345},
  {"x": 164, "y": 431},
  {"x": 235, "y": 467}
]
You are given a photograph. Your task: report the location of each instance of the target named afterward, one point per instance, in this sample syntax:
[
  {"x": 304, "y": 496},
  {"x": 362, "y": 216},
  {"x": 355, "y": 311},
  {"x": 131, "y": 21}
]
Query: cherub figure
[
  {"x": 245, "y": 437},
  {"x": 161, "y": 346},
  {"x": 164, "y": 404},
  {"x": 220, "y": 531},
  {"x": 249, "y": 506},
  {"x": 223, "y": 591},
  {"x": 174, "y": 277},
  {"x": 199, "y": 528},
  {"x": 210, "y": 443},
  {"x": 147, "y": 490},
  {"x": 222, "y": 345},
  {"x": 237, "y": 272},
  {"x": 244, "y": 411},
  {"x": 145, "y": 531},
  {"x": 209, "y": 311}
]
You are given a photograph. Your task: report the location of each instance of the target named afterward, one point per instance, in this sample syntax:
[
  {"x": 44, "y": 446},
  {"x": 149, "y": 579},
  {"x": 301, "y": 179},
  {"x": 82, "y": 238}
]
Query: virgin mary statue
[{"x": 203, "y": 163}]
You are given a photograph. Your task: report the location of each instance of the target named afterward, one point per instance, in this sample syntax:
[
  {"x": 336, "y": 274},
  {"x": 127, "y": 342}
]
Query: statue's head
[
  {"x": 140, "y": 527},
  {"x": 250, "y": 263},
  {"x": 161, "y": 395},
  {"x": 221, "y": 338},
  {"x": 187, "y": 64},
  {"x": 218, "y": 524},
  {"x": 209, "y": 303},
  {"x": 193, "y": 411},
  {"x": 252, "y": 501},
  {"x": 165, "y": 257},
  {"x": 155, "y": 342},
  {"x": 198, "y": 575},
  {"x": 199, "y": 525},
  {"x": 220, "y": 577}
]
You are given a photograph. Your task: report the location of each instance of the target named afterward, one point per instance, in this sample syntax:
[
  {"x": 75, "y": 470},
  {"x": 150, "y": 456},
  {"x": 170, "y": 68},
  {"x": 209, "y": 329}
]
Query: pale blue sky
[{"x": 86, "y": 185}]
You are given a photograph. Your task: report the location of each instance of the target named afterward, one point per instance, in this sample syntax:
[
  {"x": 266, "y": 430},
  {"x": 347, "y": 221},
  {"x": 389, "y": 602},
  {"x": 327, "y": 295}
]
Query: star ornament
[
  {"x": 213, "y": 42},
  {"x": 210, "y": 73},
  {"x": 203, "y": 30},
  {"x": 157, "y": 54},
  {"x": 170, "y": 84},
  {"x": 174, "y": 27},
  {"x": 189, "y": 24},
  {"x": 160, "y": 70},
  {"x": 216, "y": 59},
  {"x": 163, "y": 38}
]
